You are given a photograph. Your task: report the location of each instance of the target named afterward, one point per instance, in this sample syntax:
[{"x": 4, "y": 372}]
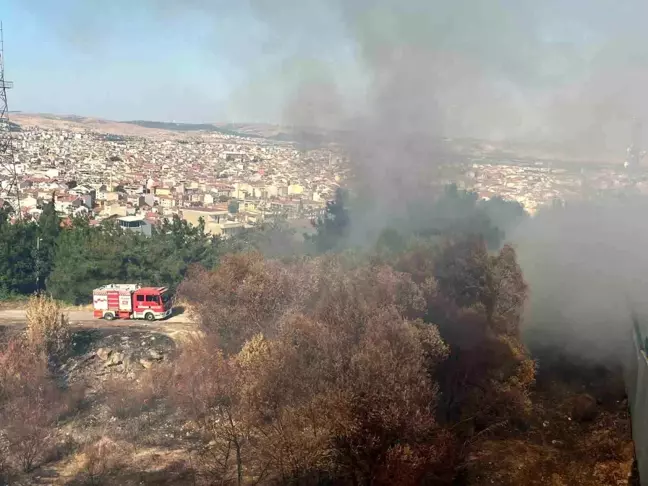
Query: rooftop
[{"x": 131, "y": 219}]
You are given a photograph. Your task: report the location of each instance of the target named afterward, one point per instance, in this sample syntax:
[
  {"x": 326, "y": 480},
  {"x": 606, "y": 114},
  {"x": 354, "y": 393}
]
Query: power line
[{"x": 7, "y": 158}]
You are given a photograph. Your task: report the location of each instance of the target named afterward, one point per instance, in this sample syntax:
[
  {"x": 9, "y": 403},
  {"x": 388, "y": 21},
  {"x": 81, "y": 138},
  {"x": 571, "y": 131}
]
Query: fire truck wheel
[
  {"x": 109, "y": 316},
  {"x": 149, "y": 317}
]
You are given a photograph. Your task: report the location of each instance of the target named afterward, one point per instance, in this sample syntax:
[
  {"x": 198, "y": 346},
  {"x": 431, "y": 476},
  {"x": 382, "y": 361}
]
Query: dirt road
[
  {"x": 17, "y": 316},
  {"x": 177, "y": 327}
]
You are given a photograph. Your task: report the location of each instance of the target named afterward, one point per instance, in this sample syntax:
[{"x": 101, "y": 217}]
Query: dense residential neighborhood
[
  {"x": 233, "y": 182},
  {"x": 535, "y": 184},
  {"x": 230, "y": 182}
]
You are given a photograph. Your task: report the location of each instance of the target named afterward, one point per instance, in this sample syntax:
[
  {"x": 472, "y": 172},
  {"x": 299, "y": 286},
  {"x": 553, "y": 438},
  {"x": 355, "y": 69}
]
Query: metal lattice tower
[{"x": 7, "y": 159}]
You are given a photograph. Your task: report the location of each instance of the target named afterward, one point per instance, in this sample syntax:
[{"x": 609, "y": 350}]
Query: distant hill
[
  {"x": 192, "y": 127},
  {"x": 308, "y": 137},
  {"x": 311, "y": 137},
  {"x": 77, "y": 123}
]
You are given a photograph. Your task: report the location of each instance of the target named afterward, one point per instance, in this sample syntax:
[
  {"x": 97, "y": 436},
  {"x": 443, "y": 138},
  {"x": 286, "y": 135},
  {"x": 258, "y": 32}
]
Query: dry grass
[
  {"x": 124, "y": 398},
  {"x": 23, "y": 302},
  {"x": 100, "y": 462},
  {"x": 128, "y": 398},
  {"x": 48, "y": 327},
  {"x": 106, "y": 461},
  {"x": 30, "y": 406}
]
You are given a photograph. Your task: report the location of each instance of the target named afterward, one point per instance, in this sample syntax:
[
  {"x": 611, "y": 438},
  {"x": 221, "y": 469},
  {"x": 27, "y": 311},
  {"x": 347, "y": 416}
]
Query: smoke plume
[
  {"x": 497, "y": 69},
  {"x": 588, "y": 274}
]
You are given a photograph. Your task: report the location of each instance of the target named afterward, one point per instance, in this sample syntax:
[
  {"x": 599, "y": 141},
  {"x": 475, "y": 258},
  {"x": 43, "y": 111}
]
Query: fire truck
[{"x": 131, "y": 301}]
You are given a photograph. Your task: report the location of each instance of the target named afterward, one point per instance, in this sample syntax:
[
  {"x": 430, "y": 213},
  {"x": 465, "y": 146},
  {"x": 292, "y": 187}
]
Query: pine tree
[{"x": 49, "y": 229}]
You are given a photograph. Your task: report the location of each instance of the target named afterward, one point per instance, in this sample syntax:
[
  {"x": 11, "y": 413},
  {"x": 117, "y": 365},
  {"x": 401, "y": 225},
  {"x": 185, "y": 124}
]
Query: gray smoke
[
  {"x": 395, "y": 77},
  {"x": 571, "y": 77},
  {"x": 497, "y": 69},
  {"x": 587, "y": 269}
]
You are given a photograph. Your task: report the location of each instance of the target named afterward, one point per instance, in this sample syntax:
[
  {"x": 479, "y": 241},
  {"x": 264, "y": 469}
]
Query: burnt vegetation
[{"x": 398, "y": 364}]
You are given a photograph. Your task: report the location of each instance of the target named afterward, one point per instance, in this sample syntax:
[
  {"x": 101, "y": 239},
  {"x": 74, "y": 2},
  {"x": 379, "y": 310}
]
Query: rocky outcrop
[{"x": 119, "y": 353}]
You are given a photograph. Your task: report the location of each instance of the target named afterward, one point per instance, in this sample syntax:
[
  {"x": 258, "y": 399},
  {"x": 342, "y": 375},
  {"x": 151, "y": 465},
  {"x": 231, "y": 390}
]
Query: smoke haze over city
[{"x": 488, "y": 69}]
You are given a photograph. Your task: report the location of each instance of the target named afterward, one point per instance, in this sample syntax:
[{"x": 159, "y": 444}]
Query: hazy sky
[
  {"x": 155, "y": 59},
  {"x": 117, "y": 59},
  {"x": 482, "y": 67}
]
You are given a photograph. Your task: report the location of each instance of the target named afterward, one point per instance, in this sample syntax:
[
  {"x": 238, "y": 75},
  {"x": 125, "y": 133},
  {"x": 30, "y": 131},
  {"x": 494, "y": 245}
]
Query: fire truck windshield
[{"x": 165, "y": 298}]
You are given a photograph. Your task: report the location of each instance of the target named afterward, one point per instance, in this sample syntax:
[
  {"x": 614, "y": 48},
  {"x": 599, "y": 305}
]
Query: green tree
[
  {"x": 85, "y": 258},
  {"x": 163, "y": 259},
  {"x": 389, "y": 241},
  {"x": 233, "y": 206},
  {"x": 17, "y": 268},
  {"x": 49, "y": 229},
  {"x": 6, "y": 211},
  {"x": 456, "y": 214}
]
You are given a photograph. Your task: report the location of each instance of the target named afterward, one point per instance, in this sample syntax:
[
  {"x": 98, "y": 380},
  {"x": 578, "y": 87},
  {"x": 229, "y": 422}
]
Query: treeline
[{"x": 68, "y": 262}]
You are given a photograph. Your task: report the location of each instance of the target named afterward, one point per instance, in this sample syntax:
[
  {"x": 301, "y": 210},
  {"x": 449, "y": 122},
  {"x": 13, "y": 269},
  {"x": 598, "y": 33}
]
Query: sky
[
  {"x": 484, "y": 68},
  {"x": 116, "y": 60}
]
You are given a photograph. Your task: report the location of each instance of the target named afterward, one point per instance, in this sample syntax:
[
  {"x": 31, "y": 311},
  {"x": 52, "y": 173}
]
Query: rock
[
  {"x": 114, "y": 359},
  {"x": 156, "y": 355},
  {"x": 583, "y": 408},
  {"x": 127, "y": 361},
  {"x": 146, "y": 363},
  {"x": 104, "y": 353}
]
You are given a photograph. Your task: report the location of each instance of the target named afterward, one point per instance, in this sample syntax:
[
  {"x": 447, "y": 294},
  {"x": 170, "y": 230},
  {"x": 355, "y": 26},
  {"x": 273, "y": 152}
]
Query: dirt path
[
  {"x": 18, "y": 316},
  {"x": 177, "y": 327}
]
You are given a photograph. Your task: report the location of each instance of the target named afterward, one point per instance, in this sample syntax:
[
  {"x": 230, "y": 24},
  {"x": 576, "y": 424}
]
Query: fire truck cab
[{"x": 130, "y": 301}]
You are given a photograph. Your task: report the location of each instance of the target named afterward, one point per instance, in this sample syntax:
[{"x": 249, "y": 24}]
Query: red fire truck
[{"x": 130, "y": 301}]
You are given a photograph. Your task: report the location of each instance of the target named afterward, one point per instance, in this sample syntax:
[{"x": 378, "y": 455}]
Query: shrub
[
  {"x": 48, "y": 328},
  {"x": 30, "y": 404},
  {"x": 323, "y": 371},
  {"x": 101, "y": 461},
  {"x": 331, "y": 367}
]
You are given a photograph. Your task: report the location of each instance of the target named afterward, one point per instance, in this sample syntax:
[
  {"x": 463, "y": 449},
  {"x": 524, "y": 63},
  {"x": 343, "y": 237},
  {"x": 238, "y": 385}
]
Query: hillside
[
  {"x": 78, "y": 124},
  {"x": 144, "y": 128},
  {"x": 316, "y": 137}
]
